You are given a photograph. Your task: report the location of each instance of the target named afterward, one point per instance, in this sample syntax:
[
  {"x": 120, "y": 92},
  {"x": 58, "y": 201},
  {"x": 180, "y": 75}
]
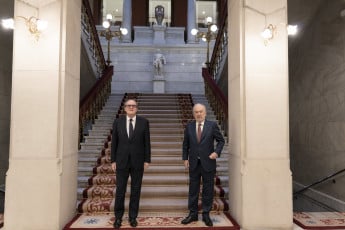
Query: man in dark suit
[
  {"x": 199, "y": 155},
  {"x": 130, "y": 155}
]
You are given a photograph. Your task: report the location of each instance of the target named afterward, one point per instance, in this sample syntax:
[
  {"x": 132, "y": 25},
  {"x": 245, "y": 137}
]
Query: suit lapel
[
  {"x": 124, "y": 126},
  {"x": 137, "y": 123},
  {"x": 194, "y": 134}
]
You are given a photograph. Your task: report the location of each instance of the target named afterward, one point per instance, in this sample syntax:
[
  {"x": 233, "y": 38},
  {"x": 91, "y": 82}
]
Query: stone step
[
  {"x": 161, "y": 116},
  {"x": 159, "y": 111},
  {"x": 91, "y": 146},
  {"x": 166, "y": 125},
  {"x": 95, "y": 139},
  {"x": 149, "y": 179},
  {"x": 180, "y": 191},
  {"x": 103, "y": 122},
  {"x": 102, "y": 125},
  {"x": 89, "y": 153},
  {"x": 98, "y": 133},
  {"x": 166, "y": 152},
  {"x": 150, "y": 204},
  {"x": 176, "y": 145},
  {"x": 147, "y": 191},
  {"x": 164, "y": 131},
  {"x": 87, "y": 162},
  {"x": 173, "y": 204},
  {"x": 163, "y": 121},
  {"x": 162, "y": 138}
]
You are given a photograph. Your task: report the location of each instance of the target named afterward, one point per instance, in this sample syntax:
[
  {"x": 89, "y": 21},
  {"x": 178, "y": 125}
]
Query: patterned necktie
[
  {"x": 130, "y": 128},
  {"x": 199, "y": 132}
]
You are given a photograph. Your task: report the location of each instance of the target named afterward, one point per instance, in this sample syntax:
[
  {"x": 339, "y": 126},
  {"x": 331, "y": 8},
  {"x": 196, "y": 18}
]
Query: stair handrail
[
  {"x": 94, "y": 100},
  {"x": 93, "y": 38},
  {"x": 217, "y": 100},
  {"x": 213, "y": 93},
  {"x": 221, "y": 43},
  {"x": 318, "y": 182}
]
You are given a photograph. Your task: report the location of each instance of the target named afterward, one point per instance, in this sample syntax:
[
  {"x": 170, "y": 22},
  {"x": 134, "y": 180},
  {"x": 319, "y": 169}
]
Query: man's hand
[
  {"x": 113, "y": 166},
  {"x": 213, "y": 156},
  {"x": 146, "y": 165},
  {"x": 186, "y": 164}
]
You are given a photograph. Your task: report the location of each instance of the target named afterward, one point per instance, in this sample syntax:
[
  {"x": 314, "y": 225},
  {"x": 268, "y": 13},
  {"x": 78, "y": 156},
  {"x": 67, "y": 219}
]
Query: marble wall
[
  {"x": 134, "y": 70},
  {"x": 317, "y": 100}
]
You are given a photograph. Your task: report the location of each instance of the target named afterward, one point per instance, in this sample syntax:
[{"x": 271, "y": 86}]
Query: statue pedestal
[
  {"x": 158, "y": 84},
  {"x": 159, "y": 34}
]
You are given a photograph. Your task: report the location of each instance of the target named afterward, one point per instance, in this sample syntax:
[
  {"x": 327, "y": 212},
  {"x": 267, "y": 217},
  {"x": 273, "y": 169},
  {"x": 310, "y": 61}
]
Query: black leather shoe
[
  {"x": 207, "y": 220},
  {"x": 133, "y": 222},
  {"x": 189, "y": 219},
  {"x": 117, "y": 223}
]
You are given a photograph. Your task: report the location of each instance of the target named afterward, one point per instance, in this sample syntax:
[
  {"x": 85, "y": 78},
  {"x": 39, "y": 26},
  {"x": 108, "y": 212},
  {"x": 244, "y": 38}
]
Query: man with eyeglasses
[{"x": 130, "y": 155}]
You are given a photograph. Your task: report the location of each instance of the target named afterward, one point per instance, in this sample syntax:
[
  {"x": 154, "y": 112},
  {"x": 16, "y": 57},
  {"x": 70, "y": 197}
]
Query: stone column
[
  {"x": 127, "y": 20},
  {"x": 191, "y": 23},
  {"x": 259, "y": 168},
  {"x": 42, "y": 173}
]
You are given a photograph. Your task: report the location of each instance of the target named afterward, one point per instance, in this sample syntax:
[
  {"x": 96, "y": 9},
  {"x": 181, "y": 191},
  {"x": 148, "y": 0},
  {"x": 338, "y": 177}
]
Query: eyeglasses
[{"x": 133, "y": 106}]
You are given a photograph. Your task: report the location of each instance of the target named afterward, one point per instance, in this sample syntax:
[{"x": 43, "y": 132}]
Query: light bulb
[
  {"x": 292, "y": 29},
  {"x": 41, "y": 25},
  {"x": 8, "y": 23},
  {"x": 106, "y": 24},
  {"x": 124, "y": 31},
  {"x": 267, "y": 33},
  {"x": 194, "y": 32},
  {"x": 214, "y": 28},
  {"x": 109, "y": 17}
]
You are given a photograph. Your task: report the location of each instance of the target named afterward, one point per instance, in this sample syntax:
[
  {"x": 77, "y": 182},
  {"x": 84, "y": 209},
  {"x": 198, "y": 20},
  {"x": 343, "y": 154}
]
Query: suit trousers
[
  {"x": 195, "y": 177},
  {"x": 122, "y": 176}
]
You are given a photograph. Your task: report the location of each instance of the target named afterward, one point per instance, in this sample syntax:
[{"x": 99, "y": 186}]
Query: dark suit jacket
[
  {"x": 137, "y": 149},
  {"x": 191, "y": 147}
]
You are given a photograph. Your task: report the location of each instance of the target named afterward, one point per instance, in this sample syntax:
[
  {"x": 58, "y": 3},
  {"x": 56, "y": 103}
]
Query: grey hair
[{"x": 199, "y": 104}]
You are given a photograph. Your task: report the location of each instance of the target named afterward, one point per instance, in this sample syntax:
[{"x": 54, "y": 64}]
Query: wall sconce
[
  {"x": 207, "y": 36},
  {"x": 34, "y": 25},
  {"x": 270, "y": 31},
  {"x": 108, "y": 34}
]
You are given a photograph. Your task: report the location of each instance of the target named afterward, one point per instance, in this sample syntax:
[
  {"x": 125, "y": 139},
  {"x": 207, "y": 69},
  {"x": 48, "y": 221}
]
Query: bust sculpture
[{"x": 159, "y": 14}]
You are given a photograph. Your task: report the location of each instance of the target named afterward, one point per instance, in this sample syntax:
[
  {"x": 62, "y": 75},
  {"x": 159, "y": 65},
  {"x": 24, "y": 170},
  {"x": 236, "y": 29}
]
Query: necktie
[
  {"x": 199, "y": 132},
  {"x": 130, "y": 128}
]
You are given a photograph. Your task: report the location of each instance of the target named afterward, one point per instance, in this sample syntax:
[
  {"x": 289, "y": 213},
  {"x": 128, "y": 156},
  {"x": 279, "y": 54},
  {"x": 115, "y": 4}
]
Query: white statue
[{"x": 158, "y": 62}]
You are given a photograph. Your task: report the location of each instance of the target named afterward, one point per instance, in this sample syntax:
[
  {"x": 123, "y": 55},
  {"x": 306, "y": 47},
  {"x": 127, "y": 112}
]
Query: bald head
[{"x": 199, "y": 112}]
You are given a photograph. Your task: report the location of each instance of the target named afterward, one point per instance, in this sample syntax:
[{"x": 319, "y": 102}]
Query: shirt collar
[
  {"x": 134, "y": 118},
  {"x": 202, "y": 123}
]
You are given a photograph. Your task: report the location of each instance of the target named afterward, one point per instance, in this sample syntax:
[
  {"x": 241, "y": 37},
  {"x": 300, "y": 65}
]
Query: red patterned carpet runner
[
  {"x": 164, "y": 194},
  {"x": 320, "y": 220}
]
